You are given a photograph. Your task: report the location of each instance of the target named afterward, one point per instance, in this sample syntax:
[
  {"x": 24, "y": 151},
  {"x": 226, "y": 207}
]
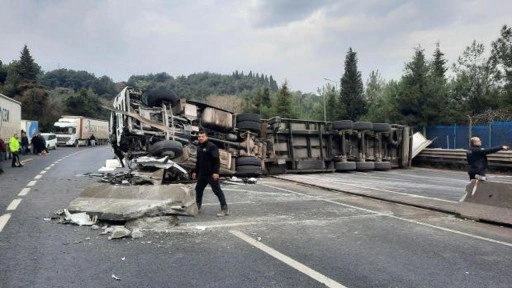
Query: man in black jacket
[
  {"x": 477, "y": 157},
  {"x": 207, "y": 172}
]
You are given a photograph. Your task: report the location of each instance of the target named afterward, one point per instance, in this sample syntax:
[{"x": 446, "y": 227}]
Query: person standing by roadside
[
  {"x": 24, "y": 143},
  {"x": 477, "y": 157},
  {"x": 14, "y": 148},
  {"x": 3, "y": 150},
  {"x": 207, "y": 172},
  {"x": 92, "y": 139}
]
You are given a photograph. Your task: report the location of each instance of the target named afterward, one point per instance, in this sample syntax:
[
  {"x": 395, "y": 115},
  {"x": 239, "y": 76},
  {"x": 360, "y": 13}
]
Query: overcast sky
[{"x": 298, "y": 40}]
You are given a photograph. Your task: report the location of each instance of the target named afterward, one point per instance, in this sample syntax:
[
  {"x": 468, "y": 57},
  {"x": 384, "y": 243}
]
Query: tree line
[{"x": 480, "y": 83}]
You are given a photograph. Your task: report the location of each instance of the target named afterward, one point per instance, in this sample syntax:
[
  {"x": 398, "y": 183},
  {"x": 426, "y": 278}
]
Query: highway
[{"x": 287, "y": 231}]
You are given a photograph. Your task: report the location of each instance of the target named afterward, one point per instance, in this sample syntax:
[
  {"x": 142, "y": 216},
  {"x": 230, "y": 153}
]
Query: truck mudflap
[{"x": 122, "y": 203}]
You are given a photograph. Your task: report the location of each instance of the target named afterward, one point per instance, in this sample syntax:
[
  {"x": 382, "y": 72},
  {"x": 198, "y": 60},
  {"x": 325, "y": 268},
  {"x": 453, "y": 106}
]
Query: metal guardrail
[{"x": 502, "y": 159}]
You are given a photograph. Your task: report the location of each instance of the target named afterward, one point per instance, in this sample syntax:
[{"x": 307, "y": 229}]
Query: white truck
[
  {"x": 10, "y": 117},
  {"x": 77, "y": 130}
]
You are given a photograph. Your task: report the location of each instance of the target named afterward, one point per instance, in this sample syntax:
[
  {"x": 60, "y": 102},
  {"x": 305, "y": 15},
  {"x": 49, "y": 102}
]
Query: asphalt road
[{"x": 280, "y": 234}]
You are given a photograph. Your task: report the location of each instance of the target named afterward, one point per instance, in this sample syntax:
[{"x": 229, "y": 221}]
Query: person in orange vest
[{"x": 14, "y": 147}]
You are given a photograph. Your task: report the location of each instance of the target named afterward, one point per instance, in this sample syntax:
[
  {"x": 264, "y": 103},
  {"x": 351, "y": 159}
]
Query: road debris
[
  {"x": 116, "y": 278},
  {"x": 80, "y": 218}
]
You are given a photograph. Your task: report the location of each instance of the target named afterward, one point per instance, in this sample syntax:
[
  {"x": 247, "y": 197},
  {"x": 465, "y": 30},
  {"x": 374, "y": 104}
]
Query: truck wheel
[
  {"x": 381, "y": 127},
  {"x": 248, "y": 161},
  {"x": 342, "y": 125},
  {"x": 385, "y": 165},
  {"x": 363, "y": 126},
  {"x": 253, "y": 117},
  {"x": 173, "y": 149},
  {"x": 365, "y": 166},
  {"x": 252, "y": 126},
  {"x": 345, "y": 166},
  {"x": 156, "y": 96},
  {"x": 248, "y": 171}
]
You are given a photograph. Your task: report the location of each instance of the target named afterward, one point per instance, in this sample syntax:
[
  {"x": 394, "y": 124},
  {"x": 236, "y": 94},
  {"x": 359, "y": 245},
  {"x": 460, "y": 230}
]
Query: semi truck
[
  {"x": 10, "y": 117},
  {"x": 77, "y": 130}
]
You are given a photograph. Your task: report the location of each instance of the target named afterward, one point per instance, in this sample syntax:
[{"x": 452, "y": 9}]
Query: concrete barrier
[
  {"x": 487, "y": 201},
  {"x": 121, "y": 203}
]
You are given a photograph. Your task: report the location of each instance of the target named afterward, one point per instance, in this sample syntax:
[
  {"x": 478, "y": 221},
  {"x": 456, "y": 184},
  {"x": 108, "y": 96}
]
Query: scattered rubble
[{"x": 80, "y": 218}]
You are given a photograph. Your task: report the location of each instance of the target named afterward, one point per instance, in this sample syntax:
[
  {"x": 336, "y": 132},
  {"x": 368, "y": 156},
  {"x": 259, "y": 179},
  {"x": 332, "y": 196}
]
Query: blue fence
[{"x": 457, "y": 136}]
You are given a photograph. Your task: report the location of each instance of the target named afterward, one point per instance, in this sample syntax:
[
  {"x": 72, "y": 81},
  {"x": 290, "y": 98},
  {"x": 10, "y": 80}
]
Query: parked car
[{"x": 51, "y": 140}]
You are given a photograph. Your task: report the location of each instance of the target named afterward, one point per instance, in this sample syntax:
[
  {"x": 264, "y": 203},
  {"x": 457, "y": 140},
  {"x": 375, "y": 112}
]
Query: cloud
[{"x": 301, "y": 41}]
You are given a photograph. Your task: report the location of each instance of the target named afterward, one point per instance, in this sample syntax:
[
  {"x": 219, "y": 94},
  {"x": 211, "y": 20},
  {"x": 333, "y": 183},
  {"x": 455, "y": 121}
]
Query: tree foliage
[{"x": 352, "y": 103}]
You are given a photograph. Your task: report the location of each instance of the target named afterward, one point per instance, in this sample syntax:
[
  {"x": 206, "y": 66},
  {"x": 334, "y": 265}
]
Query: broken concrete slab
[
  {"x": 119, "y": 232},
  {"x": 122, "y": 203}
]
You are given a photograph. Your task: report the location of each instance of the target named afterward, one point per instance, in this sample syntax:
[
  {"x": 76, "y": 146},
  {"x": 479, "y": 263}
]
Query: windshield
[{"x": 65, "y": 130}]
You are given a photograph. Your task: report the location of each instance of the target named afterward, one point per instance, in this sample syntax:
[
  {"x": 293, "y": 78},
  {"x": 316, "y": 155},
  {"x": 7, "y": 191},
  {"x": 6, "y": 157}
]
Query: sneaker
[{"x": 223, "y": 213}]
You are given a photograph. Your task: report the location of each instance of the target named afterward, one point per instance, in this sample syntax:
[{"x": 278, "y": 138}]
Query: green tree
[
  {"x": 437, "y": 91},
  {"x": 284, "y": 102},
  {"x": 85, "y": 103},
  {"x": 472, "y": 88},
  {"x": 27, "y": 68},
  {"x": 414, "y": 90},
  {"x": 374, "y": 94},
  {"x": 501, "y": 61},
  {"x": 351, "y": 90}
]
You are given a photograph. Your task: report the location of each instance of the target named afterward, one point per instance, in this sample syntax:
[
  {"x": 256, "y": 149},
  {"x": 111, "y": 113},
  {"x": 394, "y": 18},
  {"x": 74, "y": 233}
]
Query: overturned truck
[
  {"x": 155, "y": 134},
  {"x": 158, "y": 123}
]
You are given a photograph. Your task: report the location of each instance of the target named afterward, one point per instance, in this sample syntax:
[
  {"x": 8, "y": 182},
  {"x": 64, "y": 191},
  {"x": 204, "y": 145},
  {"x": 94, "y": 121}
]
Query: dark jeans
[
  {"x": 15, "y": 159},
  {"x": 202, "y": 181}
]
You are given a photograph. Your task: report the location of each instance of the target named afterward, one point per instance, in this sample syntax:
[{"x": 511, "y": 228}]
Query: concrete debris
[
  {"x": 47, "y": 219},
  {"x": 80, "y": 218},
  {"x": 164, "y": 163},
  {"x": 252, "y": 180},
  {"x": 123, "y": 258},
  {"x": 95, "y": 227},
  {"x": 119, "y": 232},
  {"x": 116, "y": 278},
  {"x": 159, "y": 223},
  {"x": 136, "y": 233},
  {"x": 124, "y": 203}
]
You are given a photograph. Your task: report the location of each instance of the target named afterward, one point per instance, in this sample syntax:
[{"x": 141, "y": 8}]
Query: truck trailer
[
  {"x": 77, "y": 130},
  {"x": 10, "y": 117}
]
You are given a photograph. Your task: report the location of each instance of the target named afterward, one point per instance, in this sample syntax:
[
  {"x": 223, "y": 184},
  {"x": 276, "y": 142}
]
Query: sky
[{"x": 299, "y": 41}]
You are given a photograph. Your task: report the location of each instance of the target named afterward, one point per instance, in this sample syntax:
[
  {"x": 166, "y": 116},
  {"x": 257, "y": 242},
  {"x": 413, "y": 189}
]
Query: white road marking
[
  {"x": 287, "y": 260},
  {"x": 3, "y": 220},
  {"x": 38, "y": 176},
  {"x": 48, "y": 168},
  {"x": 31, "y": 183},
  {"x": 42, "y": 172},
  {"x": 387, "y": 191},
  {"x": 14, "y": 204},
  {"x": 399, "y": 218},
  {"x": 24, "y": 191}
]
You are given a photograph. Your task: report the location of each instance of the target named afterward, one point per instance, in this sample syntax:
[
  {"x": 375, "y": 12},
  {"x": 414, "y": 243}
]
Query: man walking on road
[
  {"x": 477, "y": 157},
  {"x": 14, "y": 147},
  {"x": 207, "y": 172},
  {"x": 3, "y": 150}
]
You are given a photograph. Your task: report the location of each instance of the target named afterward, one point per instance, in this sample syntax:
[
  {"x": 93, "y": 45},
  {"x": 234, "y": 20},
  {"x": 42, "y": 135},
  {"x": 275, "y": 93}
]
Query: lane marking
[
  {"x": 289, "y": 261},
  {"x": 14, "y": 204},
  {"x": 31, "y": 183},
  {"x": 38, "y": 176},
  {"x": 24, "y": 191},
  {"x": 48, "y": 168},
  {"x": 3, "y": 220},
  {"x": 42, "y": 172},
  {"x": 385, "y": 190},
  {"x": 399, "y": 218}
]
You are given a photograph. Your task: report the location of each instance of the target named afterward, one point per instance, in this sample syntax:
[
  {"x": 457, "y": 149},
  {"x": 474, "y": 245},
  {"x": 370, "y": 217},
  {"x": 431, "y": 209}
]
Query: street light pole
[{"x": 335, "y": 90}]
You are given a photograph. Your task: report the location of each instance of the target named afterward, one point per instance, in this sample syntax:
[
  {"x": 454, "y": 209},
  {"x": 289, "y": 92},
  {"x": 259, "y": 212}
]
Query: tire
[
  {"x": 253, "y": 117},
  {"x": 249, "y": 126},
  {"x": 385, "y": 165},
  {"x": 363, "y": 126},
  {"x": 381, "y": 127},
  {"x": 345, "y": 166},
  {"x": 248, "y": 161},
  {"x": 173, "y": 149},
  {"x": 342, "y": 125},
  {"x": 365, "y": 166},
  {"x": 248, "y": 171},
  {"x": 155, "y": 97}
]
